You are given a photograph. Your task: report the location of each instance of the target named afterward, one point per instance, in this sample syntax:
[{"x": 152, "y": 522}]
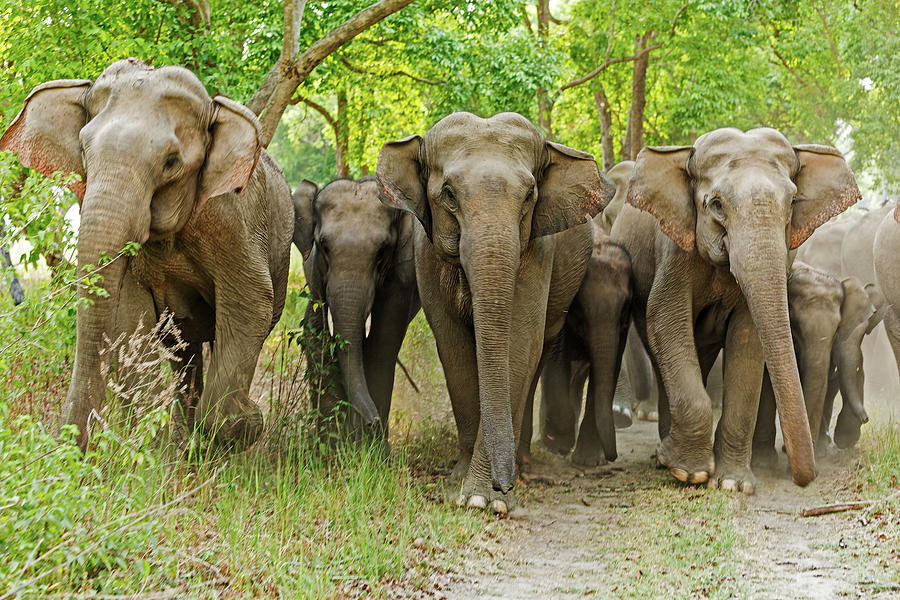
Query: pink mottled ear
[
  {"x": 400, "y": 182},
  {"x": 233, "y": 151},
  {"x": 825, "y": 187},
  {"x": 44, "y": 135},
  {"x": 571, "y": 190},
  {"x": 660, "y": 184}
]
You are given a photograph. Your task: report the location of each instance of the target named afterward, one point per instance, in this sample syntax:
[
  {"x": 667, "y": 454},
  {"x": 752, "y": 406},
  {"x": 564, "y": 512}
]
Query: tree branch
[
  {"x": 319, "y": 109},
  {"x": 834, "y": 50},
  {"x": 677, "y": 14},
  {"x": 608, "y": 63},
  {"x": 396, "y": 73},
  {"x": 294, "y": 72}
]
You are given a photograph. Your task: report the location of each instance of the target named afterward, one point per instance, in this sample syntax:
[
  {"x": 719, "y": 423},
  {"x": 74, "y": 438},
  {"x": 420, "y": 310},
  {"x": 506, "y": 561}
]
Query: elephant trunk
[
  {"x": 349, "y": 303},
  {"x": 849, "y": 360},
  {"x": 758, "y": 258},
  {"x": 106, "y": 226},
  {"x": 490, "y": 256}
]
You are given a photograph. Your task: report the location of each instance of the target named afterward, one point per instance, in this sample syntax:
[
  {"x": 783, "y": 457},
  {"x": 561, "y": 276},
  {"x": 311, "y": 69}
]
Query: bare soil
[{"x": 603, "y": 532}]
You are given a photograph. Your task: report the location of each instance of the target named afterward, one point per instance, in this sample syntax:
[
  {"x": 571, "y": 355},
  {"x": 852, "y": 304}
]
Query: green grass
[{"x": 672, "y": 542}]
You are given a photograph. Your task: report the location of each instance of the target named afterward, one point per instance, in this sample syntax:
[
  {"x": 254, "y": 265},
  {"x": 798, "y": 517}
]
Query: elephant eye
[
  {"x": 171, "y": 161},
  {"x": 715, "y": 207},
  {"x": 530, "y": 196},
  {"x": 449, "y": 198}
]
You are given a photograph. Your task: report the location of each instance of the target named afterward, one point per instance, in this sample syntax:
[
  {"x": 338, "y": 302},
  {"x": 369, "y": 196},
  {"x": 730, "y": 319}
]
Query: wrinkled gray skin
[
  {"x": 710, "y": 264},
  {"x": 591, "y": 344},
  {"x": 494, "y": 280},
  {"x": 160, "y": 161},
  {"x": 359, "y": 264},
  {"x": 829, "y": 318},
  {"x": 886, "y": 249}
]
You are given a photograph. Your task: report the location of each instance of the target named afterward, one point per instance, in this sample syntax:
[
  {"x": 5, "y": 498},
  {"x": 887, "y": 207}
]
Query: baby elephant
[
  {"x": 591, "y": 344},
  {"x": 358, "y": 260},
  {"x": 829, "y": 318}
]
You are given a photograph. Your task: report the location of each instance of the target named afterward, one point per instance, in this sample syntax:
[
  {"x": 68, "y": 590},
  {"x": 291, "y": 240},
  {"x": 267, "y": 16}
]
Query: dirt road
[{"x": 627, "y": 530}]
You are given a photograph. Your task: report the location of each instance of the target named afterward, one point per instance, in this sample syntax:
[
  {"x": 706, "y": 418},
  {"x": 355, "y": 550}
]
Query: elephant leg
[
  {"x": 135, "y": 319},
  {"x": 833, "y": 388},
  {"x": 742, "y": 375},
  {"x": 892, "y": 329},
  {"x": 189, "y": 361},
  {"x": 523, "y": 450},
  {"x": 558, "y": 414},
  {"x": 390, "y": 319},
  {"x": 764, "y": 453},
  {"x": 225, "y": 411},
  {"x": 686, "y": 447},
  {"x": 640, "y": 376}
]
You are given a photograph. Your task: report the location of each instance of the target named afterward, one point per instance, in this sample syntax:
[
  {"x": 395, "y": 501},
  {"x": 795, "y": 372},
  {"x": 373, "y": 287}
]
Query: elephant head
[
  {"x": 619, "y": 174},
  {"x": 483, "y": 190},
  {"x": 350, "y": 240},
  {"x": 151, "y": 147},
  {"x": 862, "y": 309},
  {"x": 742, "y": 200}
]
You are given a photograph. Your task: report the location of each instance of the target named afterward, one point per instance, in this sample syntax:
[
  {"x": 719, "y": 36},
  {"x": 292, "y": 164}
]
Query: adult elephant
[
  {"x": 359, "y": 266},
  {"x": 829, "y": 318},
  {"x": 165, "y": 165},
  {"x": 886, "y": 249},
  {"x": 494, "y": 280},
  {"x": 710, "y": 267}
]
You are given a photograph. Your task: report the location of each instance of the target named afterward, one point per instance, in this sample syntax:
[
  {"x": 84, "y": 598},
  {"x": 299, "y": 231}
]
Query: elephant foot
[
  {"x": 622, "y": 417},
  {"x": 764, "y": 457},
  {"x": 646, "y": 410},
  {"x": 733, "y": 478},
  {"x": 461, "y": 467},
  {"x": 686, "y": 465},
  {"x": 588, "y": 453},
  {"x": 558, "y": 443},
  {"x": 480, "y": 496},
  {"x": 846, "y": 430},
  {"x": 240, "y": 431}
]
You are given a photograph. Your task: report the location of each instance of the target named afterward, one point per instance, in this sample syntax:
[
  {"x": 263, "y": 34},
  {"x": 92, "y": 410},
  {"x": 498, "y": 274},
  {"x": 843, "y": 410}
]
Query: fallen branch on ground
[{"x": 828, "y": 509}]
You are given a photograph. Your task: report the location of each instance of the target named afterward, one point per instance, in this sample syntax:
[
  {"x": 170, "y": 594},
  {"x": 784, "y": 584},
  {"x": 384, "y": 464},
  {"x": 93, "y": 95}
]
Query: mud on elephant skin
[
  {"x": 829, "y": 318},
  {"x": 500, "y": 254},
  {"x": 589, "y": 348},
  {"x": 358, "y": 260},
  {"x": 183, "y": 174},
  {"x": 710, "y": 260}
]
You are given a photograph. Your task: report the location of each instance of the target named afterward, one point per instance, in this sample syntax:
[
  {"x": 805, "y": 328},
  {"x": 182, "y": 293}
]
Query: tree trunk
[
  {"x": 15, "y": 288},
  {"x": 606, "y": 141},
  {"x": 634, "y": 132},
  {"x": 545, "y": 105},
  {"x": 341, "y": 135}
]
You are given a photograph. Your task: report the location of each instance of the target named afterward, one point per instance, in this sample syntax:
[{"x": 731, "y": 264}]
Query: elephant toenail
[
  {"x": 499, "y": 507},
  {"x": 461, "y": 500},
  {"x": 748, "y": 489},
  {"x": 699, "y": 477},
  {"x": 477, "y": 501},
  {"x": 679, "y": 474},
  {"x": 713, "y": 484},
  {"x": 729, "y": 484}
]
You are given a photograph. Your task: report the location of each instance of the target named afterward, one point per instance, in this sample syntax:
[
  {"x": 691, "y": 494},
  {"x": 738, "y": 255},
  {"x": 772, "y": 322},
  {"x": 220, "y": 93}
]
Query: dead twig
[
  {"x": 408, "y": 376},
  {"x": 828, "y": 509}
]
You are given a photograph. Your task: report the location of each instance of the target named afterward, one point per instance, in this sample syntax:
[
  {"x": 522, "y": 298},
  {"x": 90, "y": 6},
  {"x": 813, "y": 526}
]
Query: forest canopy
[{"x": 606, "y": 76}]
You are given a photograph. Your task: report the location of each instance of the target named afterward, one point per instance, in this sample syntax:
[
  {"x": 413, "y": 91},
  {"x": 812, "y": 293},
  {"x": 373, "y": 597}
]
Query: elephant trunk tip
[
  {"x": 366, "y": 409},
  {"x": 804, "y": 476},
  {"x": 503, "y": 474}
]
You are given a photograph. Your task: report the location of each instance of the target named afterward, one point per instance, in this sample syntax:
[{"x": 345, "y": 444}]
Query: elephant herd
[{"x": 524, "y": 258}]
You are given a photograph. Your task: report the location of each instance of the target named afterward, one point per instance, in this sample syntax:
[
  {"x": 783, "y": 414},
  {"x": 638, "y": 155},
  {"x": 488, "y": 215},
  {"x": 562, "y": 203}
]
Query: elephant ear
[
  {"x": 856, "y": 308},
  {"x": 44, "y": 135},
  {"x": 661, "y": 185},
  {"x": 570, "y": 190},
  {"x": 619, "y": 175},
  {"x": 879, "y": 303},
  {"x": 303, "y": 216},
  {"x": 400, "y": 183},
  {"x": 233, "y": 150},
  {"x": 825, "y": 188}
]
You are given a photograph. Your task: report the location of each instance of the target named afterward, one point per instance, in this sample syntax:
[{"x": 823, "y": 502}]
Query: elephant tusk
[
  {"x": 330, "y": 321},
  {"x": 368, "y": 324}
]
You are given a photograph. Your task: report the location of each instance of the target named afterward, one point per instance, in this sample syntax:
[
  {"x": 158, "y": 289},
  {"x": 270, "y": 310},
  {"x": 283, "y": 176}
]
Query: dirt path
[{"x": 625, "y": 530}]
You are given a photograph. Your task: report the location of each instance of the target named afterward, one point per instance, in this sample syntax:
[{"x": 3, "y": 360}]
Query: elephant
[
  {"x": 708, "y": 228},
  {"x": 184, "y": 175},
  {"x": 885, "y": 249},
  {"x": 358, "y": 260},
  {"x": 829, "y": 318},
  {"x": 591, "y": 344},
  {"x": 501, "y": 252}
]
